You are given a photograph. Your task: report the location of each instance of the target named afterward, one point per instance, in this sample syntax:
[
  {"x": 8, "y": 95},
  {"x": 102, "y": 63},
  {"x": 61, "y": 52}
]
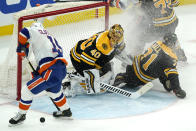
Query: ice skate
[
  {"x": 18, "y": 119},
  {"x": 67, "y": 114}
]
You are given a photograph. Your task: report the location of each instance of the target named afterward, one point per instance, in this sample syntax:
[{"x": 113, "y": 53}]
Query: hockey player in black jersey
[
  {"x": 98, "y": 50},
  {"x": 153, "y": 18},
  {"x": 159, "y": 61},
  {"x": 91, "y": 57}
]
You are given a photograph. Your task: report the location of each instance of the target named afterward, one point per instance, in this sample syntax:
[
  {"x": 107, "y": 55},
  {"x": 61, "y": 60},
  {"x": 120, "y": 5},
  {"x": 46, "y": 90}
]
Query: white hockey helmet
[{"x": 37, "y": 25}]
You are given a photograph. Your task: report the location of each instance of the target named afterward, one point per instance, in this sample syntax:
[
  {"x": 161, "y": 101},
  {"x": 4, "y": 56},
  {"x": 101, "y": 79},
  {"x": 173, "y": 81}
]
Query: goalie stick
[
  {"x": 35, "y": 71},
  {"x": 116, "y": 90},
  {"x": 129, "y": 94}
]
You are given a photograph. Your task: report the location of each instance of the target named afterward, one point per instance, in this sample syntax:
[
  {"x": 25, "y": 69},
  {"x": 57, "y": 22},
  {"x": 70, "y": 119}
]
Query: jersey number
[
  {"x": 56, "y": 47},
  {"x": 153, "y": 56},
  {"x": 163, "y": 4},
  {"x": 95, "y": 53},
  {"x": 88, "y": 43}
]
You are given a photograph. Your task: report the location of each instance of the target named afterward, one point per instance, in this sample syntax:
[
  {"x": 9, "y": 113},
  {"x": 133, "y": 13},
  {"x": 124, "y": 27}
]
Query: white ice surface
[{"x": 180, "y": 116}]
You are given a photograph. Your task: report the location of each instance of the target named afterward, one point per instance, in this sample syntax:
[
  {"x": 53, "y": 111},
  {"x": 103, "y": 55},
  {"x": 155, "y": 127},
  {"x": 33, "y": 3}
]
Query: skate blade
[
  {"x": 68, "y": 118},
  {"x": 13, "y": 125},
  {"x": 64, "y": 118}
]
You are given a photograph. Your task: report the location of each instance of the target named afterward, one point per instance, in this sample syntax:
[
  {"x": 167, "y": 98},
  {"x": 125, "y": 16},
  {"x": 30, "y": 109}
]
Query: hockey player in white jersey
[{"x": 50, "y": 72}]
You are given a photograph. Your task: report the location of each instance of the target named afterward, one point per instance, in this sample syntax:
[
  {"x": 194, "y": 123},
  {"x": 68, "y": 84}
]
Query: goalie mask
[{"x": 116, "y": 35}]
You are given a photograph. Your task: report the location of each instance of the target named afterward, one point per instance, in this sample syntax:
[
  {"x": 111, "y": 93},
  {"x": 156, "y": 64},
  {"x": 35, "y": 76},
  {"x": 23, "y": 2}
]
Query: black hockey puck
[{"x": 42, "y": 119}]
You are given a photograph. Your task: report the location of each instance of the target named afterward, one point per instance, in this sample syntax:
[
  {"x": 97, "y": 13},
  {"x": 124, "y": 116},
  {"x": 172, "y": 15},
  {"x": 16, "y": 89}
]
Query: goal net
[{"x": 68, "y": 22}]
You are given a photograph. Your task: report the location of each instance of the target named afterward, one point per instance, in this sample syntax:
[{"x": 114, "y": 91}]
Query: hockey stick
[
  {"x": 30, "y": 64},
  {"x": 36, "y": 71},
  {"x": 133, "y": 95},
  {"x": 116, "y": 90}
]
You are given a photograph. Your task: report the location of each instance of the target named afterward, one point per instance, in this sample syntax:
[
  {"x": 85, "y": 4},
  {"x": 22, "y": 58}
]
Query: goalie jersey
[
  {"x": 92, "y": 53},
  {"x": 157, "y": 62}
]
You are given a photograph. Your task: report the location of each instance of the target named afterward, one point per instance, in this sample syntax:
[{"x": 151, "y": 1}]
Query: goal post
[{"x": 69, "y": 22}]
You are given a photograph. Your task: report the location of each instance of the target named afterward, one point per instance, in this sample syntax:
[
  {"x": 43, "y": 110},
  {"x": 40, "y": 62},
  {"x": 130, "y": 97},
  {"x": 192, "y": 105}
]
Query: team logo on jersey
[{"x": 105, "y": 46}]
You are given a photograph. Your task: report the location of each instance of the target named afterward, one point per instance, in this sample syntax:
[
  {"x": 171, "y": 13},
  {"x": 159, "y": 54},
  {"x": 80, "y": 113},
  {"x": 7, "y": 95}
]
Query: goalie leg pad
[
  {"x": 78, "y": 87},
  {"x": 92, "y": 80},
  {"x": 75, "y": 85}
]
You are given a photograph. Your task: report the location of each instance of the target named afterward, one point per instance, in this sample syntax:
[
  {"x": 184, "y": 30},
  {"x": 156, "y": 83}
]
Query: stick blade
[{"x": 142, "y": 90}]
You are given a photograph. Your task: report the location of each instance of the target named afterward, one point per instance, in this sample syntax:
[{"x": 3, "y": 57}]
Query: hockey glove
[
  {"x": 179, "y": 93},
  {"x": 116, "y": 3},
  {"x": 112, "y": 3},
  {"x": 23, "y": 50},
  {"x": 119, "y": 48}
]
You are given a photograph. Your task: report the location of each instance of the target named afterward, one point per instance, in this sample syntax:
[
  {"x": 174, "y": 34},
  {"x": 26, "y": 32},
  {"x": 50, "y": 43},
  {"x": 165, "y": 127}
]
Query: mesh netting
[{"x": 67, "y": 28}]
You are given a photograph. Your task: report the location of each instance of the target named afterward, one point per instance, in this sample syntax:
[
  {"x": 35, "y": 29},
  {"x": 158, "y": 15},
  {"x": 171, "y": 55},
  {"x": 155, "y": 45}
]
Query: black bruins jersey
[
  {"x": 160, "y": 11},
  {"x": 94, "y": 52},
  {"x": 159, "y": 60}
]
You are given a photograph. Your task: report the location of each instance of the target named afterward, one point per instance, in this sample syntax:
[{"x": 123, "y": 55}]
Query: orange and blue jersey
[
  {"x": 39, "y": 39},
  {"x": 51, "y": 65}
]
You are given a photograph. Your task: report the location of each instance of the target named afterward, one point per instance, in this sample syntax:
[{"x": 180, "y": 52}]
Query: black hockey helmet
[{"x": 170, "y": 39}]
